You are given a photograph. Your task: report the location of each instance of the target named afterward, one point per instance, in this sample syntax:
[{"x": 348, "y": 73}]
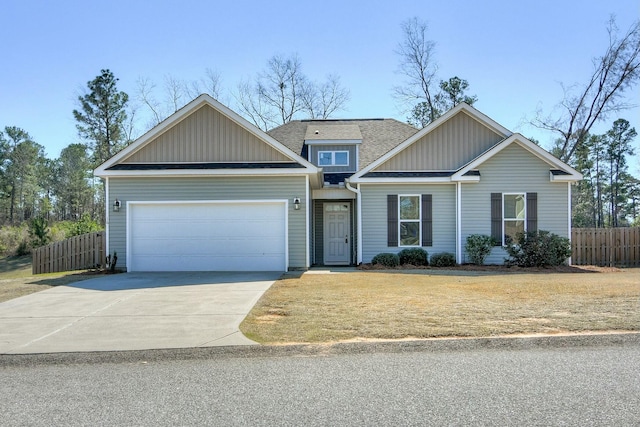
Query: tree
[
  {"x": 615, "y": 72},
  {"x": 174, "y": 93},
  {"x": 619, "y": 144},
  {"x": 282, "y": 92},
  {"x": 418, "y": 66},
  {"x": 102, "y": 117},
  {"x": 72, "y": 186},
  {"x": 324, "y": 99},
  {"x": 21, "y": 163},
  {"x": 426, "y": 100},
  {"x": 452, "y": 93}
]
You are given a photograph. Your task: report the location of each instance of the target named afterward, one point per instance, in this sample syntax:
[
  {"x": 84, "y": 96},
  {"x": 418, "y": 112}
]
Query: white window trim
[
  {"x": 419, "y": 221},
  {"x": 524, "y": 197},
  {"x": 333, "y": 157}
]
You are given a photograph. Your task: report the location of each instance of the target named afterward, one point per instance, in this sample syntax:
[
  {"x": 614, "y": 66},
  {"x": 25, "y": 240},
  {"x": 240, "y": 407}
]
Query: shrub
[
  {"x": 39, "y": 231},
  {"x": 478, "y": 247},
  {"x": 413, "y": 256},
  {"x": 538, "y": 249},
  {"x": 386, "y": 259},
  {"x": 443, "y": 259},
  {"x": 11, "y": 237},
  {"x": 82, "y": 226},
  {"x": 23, "y": 249}
]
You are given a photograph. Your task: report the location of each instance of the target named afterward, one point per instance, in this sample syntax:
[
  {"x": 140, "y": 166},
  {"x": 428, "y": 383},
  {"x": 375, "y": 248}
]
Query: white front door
[{"x": 337, "y": 233}]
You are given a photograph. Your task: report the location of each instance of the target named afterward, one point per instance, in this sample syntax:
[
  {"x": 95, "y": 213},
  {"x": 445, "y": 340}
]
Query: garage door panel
[{"x": 207, "y": 236}]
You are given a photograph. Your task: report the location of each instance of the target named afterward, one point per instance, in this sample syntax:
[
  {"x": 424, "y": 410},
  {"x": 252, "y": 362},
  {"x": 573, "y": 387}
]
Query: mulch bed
[{"x": 500, "y": 268}]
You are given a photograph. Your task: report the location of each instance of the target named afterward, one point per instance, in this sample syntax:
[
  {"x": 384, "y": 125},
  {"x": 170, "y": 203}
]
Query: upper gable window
[{"x": 333, "y": 158}]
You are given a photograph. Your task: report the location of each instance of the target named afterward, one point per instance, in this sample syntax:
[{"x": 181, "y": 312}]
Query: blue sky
[{"x": 513, "y": 53}]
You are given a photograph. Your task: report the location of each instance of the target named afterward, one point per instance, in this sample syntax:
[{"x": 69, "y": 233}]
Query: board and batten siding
[
  {"x": 374, "y": 217},
  {"x": 442, "y": 149},
  {"x": 206, "y": 135},
  {"x": 210, "y": 188},
  {"x": 513, "y": 170}
]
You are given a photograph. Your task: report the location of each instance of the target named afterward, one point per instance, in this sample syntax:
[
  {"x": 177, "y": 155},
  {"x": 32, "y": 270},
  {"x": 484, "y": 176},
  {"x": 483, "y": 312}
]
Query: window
[
  {"x": 513, "y": 216},
  {"x": 512, "y": 213},
  {"x": 333, "y": 158},
  {"x": 409, "y": 222}
]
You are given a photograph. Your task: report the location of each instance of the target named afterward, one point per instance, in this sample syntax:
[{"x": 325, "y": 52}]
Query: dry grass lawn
[
  {"x": 16, "y": 279},
  {"x": 422, "y": 304}
]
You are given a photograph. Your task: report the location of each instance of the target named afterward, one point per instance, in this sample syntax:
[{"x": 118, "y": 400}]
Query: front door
[{"x": 337, "y": 233}]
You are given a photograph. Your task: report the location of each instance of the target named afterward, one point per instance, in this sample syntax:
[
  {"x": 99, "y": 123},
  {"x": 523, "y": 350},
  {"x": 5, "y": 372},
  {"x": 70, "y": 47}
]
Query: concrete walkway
[{"x": 133, "y": 311}]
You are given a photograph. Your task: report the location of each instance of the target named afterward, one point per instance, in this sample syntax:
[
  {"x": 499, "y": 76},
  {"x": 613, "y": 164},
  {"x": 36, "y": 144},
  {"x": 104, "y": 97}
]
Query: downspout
[
  {"x": 569, "y": 231},
  {"x": 106, "y": 216},
  {"x": 458, "y": 222},
  {"x": 358, "y": 219}
]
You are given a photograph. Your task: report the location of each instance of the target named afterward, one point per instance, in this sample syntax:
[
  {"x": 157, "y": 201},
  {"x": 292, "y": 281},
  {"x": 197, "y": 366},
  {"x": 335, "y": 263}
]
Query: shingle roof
[
  {"x": 378, "y": 135},
  {"x": 321, "y": 131}
]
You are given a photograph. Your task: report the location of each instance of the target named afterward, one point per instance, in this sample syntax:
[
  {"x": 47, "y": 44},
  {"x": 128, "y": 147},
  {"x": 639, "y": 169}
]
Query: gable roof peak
[{"x": 185, "y": 111}]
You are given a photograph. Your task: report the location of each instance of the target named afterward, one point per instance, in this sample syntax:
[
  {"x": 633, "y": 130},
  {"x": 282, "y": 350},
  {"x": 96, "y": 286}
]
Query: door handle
[{"x": 346, "y": 239}]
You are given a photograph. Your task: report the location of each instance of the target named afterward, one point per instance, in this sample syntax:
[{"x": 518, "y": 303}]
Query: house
[{"x": 207, "y": 190}]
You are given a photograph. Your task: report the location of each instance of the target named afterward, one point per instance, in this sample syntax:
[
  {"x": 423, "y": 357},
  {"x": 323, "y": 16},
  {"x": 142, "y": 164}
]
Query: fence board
[
  {"x": 77, "y": 253},
  {"x": 606, "y": 247}
]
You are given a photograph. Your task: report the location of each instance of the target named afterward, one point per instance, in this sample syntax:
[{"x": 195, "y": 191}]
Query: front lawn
[
  {"x": 16, "y": 279},
  {"x": 426, "y": 303}
]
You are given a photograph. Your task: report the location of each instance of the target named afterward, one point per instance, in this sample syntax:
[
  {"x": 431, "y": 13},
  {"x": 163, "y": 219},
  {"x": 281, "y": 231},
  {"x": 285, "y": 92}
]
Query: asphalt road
[{"x": 559, "y": 384}]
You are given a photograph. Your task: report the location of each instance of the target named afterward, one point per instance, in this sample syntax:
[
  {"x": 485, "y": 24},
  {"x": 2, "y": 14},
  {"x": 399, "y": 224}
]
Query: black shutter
[
  {"x": 392, "y": 220},
  {"x": 532, "y": 212},
  {"x": 427, "y": 220},
  {"x": 496, "y": 218}
]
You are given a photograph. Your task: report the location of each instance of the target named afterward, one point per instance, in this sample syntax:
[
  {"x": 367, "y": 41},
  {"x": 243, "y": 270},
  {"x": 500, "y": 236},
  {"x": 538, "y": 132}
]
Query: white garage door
[{"x": 210, "y": 236}]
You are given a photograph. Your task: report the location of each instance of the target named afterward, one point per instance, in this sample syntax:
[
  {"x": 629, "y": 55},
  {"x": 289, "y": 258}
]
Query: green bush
[
  {"x": 39, "y": 232},
  {"x": 82, "y": 226},
  {"x": 11, "y": 237},
  {"x": 443, "y": 259},
  {"x": 23, "y": 248},
  {"x": 538, "y": 249},
  {"x": 413, "y": 256},
  {"x": 478, "y": 247},
  {"x": 386, "y": 259}
]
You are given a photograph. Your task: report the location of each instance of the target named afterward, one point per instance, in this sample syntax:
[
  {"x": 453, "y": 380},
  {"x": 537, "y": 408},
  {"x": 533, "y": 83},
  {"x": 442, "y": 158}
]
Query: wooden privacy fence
[
  {"x": 77, "y": 253},
  {"x": 611, "y": 247}
]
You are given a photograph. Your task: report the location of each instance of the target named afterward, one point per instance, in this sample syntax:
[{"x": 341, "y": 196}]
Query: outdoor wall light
[
  {"x": 116, "y": 205},
  {"x": 296, "y": 203}
]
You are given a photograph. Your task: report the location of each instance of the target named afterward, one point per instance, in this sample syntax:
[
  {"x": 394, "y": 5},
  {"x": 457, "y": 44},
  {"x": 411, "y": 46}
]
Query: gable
[
  {"x": 205, "y": 135},
  {"x": 447, "y": 147},
  {"x": 515, "y": 164}
]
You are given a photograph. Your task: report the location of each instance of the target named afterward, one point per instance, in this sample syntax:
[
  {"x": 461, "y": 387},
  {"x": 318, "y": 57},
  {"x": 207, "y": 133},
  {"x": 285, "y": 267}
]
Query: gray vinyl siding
[
  {"x": 513, "y": 170},
  {"x": 210, "y": 188},
  {"x": 374, "y": 217},
  {"x": 313, "y": 157},
  {"x": 318, "y": 228}
]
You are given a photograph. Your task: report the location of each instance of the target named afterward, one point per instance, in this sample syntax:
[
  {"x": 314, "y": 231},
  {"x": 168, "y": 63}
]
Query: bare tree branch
[{"x": 613, "y": 74}]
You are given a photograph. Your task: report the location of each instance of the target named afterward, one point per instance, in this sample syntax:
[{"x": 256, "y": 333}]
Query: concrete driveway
[{"x": 133, "y": 311}]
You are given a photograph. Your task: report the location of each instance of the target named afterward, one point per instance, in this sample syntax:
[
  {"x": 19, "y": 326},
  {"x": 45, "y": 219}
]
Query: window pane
[
  {"x": 409, "y": 234},
  {"x": 409, "y": 207},
  {"x": 514, "y": 206},
  {"x": 511, "y": 229},
  {"x": 341, "y": 158},
  {"x": 324, "y": 158}
]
